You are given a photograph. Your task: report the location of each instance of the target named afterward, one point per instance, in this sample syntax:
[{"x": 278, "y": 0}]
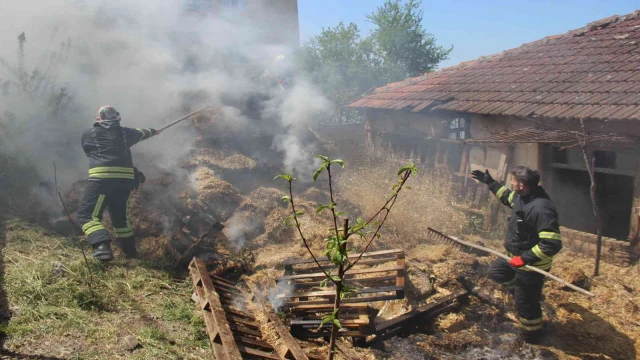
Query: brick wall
[{"x": 613, "y": 251}]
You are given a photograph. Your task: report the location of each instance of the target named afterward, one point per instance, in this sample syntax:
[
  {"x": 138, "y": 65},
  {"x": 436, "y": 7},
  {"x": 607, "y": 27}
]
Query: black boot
[
  {"x": 532, "y": 337},
  {"x": 128, "y": 247},
  {"x": 102, "y": 251}
]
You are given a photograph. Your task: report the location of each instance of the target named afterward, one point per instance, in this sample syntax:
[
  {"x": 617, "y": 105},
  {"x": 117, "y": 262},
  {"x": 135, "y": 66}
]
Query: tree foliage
[
  {"x": 404, "y": 46},
  {"x": 346, "y": 64}
]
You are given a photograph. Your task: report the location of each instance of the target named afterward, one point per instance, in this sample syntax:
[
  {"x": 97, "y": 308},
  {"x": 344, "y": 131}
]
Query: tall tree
[
  {"x": 404, "y": 47},
  {"x": 346, "y": 65},
  {"x": 338, "y": 60}
]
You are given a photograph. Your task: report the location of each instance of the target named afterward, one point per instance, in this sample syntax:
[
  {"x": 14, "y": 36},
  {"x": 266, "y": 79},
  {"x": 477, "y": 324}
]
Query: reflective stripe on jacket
[
  {"x": 108, "y": 150},
  {"x": 534, "y": 230}
]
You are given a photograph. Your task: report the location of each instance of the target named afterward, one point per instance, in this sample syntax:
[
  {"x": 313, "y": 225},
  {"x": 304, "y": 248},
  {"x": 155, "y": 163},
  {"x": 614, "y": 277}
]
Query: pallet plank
[
  {"x": 245, "y": 330},
  {"x": 254, "y": 342},
  {"x": 349, "y": 274},
  {"x": 351, "y": 256},
  {"x": 289, "y": 347},
  {"x": 332, "y": 293},
  {"x": 218, "y": 329},
  {"x": 254, "y": 352}
]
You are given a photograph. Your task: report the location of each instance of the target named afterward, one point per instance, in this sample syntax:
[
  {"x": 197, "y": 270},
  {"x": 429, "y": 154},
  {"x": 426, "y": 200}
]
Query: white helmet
[{"x": 108, "y": 113}]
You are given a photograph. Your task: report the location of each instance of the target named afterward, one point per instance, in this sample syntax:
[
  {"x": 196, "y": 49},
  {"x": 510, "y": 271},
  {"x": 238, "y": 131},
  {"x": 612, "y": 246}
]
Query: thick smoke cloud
[{"x": 146, "y": 58}]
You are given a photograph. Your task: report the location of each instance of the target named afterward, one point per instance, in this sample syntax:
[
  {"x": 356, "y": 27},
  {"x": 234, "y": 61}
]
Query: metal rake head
[{"x": 433, "y": 234}]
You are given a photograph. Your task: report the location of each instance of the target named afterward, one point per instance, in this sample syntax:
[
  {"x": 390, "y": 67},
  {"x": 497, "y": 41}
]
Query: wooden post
[
  {"x": 400, "y": 274},
  {"x": 596, "y": 211},
  {"x": 635, "y": 204}
]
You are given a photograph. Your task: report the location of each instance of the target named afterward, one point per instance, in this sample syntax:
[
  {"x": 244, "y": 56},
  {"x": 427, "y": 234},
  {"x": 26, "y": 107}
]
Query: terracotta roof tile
[{"x": 589, "y": 72}]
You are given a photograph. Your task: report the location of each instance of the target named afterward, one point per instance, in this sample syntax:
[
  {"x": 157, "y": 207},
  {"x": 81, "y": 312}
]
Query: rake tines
[{"x": 436, "y": 235}]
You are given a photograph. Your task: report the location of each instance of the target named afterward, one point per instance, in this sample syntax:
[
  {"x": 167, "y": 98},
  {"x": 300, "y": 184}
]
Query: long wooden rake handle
[
  {"x": 507, "y": 258},
  {"x": 182, "y": 118}
]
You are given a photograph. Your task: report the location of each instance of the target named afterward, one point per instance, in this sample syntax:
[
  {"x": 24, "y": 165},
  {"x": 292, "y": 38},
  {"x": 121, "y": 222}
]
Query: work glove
[
  {"x": 517, "y": 261},
  {"x": 156, "y": 132},
  {"x": 483, "y": 177}
]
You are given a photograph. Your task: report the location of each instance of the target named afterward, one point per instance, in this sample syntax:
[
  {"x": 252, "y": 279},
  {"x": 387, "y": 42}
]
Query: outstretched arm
[
  {"x": 134, "y": 136},
  {"x": 503, "y": 194}
]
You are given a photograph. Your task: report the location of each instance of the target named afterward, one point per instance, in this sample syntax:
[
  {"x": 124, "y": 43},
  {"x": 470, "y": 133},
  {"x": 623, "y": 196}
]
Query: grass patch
[{"x": 46, "y": 282}]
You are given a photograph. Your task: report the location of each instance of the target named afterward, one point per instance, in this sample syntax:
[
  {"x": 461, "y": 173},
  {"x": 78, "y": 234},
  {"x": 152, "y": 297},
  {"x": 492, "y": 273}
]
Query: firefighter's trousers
[
  {"x": 527, "y": 286},
  {"x": 110, "y": 194}
]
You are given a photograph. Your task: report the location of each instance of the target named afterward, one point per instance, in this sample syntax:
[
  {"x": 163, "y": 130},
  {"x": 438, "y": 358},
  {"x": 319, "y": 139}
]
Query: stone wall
[{"x": 613, "y": 251}]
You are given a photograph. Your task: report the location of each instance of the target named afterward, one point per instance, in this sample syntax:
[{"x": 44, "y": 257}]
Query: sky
[{"x": 474, "y": 28}]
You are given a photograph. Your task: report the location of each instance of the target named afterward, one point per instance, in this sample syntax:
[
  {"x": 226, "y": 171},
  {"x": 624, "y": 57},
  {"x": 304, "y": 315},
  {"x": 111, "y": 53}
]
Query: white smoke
[
  {"x": 153, "y": 61},
  {"x": 237, "y": 229}
]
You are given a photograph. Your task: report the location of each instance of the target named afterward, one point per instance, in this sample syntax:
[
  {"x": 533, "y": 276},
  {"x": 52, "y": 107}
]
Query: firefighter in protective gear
[
  {"x": 277, "y": 75},
  {"x": 533, "y": 238},
  {"x": 112, "y": 177}
]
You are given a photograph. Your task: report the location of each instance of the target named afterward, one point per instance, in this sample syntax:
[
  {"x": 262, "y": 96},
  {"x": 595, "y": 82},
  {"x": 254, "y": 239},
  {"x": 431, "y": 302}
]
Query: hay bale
[
  {"x": 73, "y": 197},
  {"x": 215, "y": 158},
  {"x": 316, "y": 195},
  {"x": 147, "y": 220},
  {"x": 162, "y": 178},
  {"x": 211, "y": 195},
  {"x": 248, "y": 220}
]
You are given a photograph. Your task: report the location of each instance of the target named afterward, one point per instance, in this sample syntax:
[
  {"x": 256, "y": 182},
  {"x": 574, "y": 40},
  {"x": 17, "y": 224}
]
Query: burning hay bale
[
  {"x": 146, "y": 220},
  {"x": 314, "y": 226},
  {"x": 248, "y": 220},
  {"x": 73, "y": 197},
  {"x": 211, "y": 195},
  {"x": 222, "y": 262},
  {"x": 162, "y": 178}
]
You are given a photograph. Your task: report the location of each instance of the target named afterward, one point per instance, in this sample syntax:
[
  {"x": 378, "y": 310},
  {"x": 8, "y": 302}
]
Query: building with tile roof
[{"x": 526, "y": 106}]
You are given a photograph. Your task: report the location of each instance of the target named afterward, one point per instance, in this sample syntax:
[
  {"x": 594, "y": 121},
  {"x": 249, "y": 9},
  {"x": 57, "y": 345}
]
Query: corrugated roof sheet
[{"x": 592, "y": 72}]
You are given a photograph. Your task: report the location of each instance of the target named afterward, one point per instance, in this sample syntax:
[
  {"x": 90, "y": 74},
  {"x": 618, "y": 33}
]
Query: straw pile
[
  {"x": 210, "y": 195},
  {"x": 214, "y": 158}
]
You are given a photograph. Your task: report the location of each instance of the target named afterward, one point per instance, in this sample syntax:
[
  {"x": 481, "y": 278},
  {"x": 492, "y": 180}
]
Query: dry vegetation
[
  {"x": 53, "y": 315},
  {"x": 426, "y": 203},
  {"x": 607, "y": 327}
]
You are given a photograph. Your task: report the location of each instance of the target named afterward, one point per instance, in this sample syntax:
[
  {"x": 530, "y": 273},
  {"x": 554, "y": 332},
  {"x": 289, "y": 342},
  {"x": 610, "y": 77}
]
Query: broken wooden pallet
[
  {"x": 374, "y": 279},
  {"x": 188, "y": 232},
  {"x": 404, "y": 323},
  {"x": 233, "y": 331}
]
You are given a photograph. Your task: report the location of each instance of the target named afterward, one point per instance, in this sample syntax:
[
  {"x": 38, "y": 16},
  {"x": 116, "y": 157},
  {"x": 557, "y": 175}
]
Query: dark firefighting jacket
[
  {"x": 108, "y": 150},
  {"x": 534, "y": 231}
]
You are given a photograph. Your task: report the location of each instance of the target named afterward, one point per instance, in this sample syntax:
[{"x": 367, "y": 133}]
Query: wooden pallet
[
  {"x": 374, "y": 279},
  {"x": 233, "y": 331}
]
